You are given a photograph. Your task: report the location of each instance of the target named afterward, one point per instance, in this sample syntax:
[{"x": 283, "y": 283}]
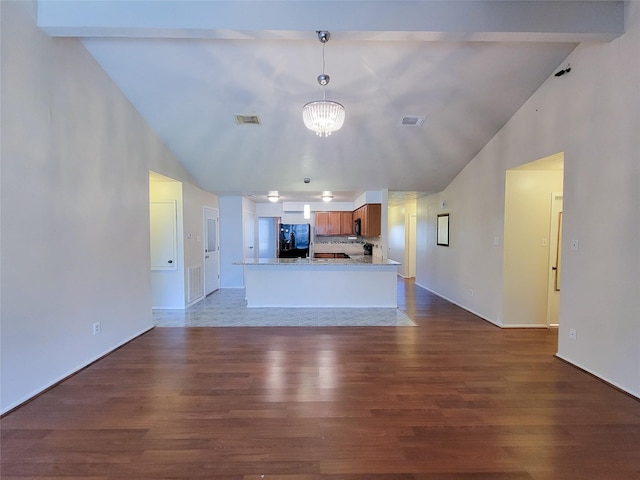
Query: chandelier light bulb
[{"x": 323, "y": 116}]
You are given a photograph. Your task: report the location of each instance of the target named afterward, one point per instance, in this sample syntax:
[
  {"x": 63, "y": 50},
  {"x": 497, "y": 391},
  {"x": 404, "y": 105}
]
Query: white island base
[{"x": 320, "y": 283}]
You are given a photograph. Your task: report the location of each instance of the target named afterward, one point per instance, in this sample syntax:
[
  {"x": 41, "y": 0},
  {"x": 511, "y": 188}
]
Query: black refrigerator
[{"x": 293, "y": 240}]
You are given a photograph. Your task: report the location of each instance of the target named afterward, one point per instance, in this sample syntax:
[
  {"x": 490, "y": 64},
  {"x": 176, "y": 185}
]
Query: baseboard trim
[
  {"x": 599, "y": 377},
  {"x": 492, "y": 322},
  {"x": 35, "y": 394},
  {"x": 526, "y": 325}
]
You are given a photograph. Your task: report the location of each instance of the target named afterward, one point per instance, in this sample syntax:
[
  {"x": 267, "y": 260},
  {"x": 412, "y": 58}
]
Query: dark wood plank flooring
[{"x": 454, "y": 398}]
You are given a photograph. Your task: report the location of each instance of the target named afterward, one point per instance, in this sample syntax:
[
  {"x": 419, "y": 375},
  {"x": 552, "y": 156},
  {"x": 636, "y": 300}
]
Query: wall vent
[
  {"x": 195, "y": 283},
  {"x": 412, "y": 121},
  {"x": 247, "y": 120}
]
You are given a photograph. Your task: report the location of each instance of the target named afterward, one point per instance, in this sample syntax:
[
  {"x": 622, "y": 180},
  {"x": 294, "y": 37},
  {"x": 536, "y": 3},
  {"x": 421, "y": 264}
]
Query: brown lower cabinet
[{"x": 331, "y": 255}]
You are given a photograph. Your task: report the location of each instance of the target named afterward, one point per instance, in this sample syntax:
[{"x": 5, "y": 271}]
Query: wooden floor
[{"x": 454, "y": 399}]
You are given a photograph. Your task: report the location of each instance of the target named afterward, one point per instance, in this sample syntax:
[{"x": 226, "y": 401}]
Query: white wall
[
  {"x": 402, "y": 237},
  {"x": 194, "y": 199},
  {"x": 397, "y": 233},
  {"x": 231, "y": 250},
  {"x": 75, "y": 208},
  {"x": 592, "y": 116}
]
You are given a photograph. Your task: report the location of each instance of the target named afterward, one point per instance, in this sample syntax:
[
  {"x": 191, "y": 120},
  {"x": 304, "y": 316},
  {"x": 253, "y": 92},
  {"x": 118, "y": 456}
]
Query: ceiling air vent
[
  {"x": 247, "y": 120},
  {"x": 412, "y": 121}
]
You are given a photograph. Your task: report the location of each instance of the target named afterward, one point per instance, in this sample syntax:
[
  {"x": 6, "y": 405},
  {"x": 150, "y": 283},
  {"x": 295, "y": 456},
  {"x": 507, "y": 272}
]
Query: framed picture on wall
[{"x": 443, "y": 230}]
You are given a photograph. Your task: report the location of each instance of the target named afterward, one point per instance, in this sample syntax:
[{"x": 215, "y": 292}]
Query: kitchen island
[{"x": 320, "y": 282}]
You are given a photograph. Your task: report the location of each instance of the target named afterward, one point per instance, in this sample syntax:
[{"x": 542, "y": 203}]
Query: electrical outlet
[
  {"x": 572, "y": 334},
  {"x": 96, "y": 328}
]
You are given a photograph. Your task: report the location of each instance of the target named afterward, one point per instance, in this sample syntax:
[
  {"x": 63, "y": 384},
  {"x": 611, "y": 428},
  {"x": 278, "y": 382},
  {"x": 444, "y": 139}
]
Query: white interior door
[
  {"x": 163, "y": 235},
  {"x": 211, "y": 250},
  {"x": 555, "y": 260},
  {"x": 249, "y": 235}
]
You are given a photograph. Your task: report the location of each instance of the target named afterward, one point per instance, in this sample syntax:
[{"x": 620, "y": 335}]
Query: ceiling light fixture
[
  {"x": 326, "y": 196},
  {"x": 273, "y": 197},
  {"x": 323, "y": 116}
]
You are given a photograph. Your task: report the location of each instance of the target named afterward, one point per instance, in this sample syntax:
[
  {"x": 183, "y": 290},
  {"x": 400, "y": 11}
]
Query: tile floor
[{"x": 228, "y": 308}]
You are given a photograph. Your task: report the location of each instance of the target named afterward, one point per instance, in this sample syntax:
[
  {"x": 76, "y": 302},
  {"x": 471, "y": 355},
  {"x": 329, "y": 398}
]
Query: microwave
[{"x": 357, "y": 226}]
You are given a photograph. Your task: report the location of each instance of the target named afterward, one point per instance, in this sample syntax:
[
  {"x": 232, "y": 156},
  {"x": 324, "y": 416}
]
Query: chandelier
[{"x": 323, "y": 116}]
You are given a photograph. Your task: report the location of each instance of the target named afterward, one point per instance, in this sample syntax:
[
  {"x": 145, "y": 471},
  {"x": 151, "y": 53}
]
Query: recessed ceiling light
[
  {"x": 326, "y": 196},
  {"x": 273, "y": 196}
]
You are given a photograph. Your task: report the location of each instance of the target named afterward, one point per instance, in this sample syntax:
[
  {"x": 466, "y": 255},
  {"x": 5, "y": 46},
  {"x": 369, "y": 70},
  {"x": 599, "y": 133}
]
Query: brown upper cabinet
[
  {"x": 327, "y": 223},
  {"x": 346, "y": 223},
  {"x": 341, "y": 223},
  {"x": 370, "y": 216}
]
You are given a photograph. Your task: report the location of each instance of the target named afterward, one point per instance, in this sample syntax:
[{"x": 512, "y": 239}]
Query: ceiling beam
[{"x": 416, "y": 20}]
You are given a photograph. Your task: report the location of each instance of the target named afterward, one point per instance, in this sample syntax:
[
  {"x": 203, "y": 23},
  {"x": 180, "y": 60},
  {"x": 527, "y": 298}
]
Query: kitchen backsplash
[{"x": 344, "y": 245}]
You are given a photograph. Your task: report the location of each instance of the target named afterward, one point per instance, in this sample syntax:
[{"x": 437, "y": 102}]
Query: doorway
[
  {"x": 268, "y": 228},
  {"x": 249, "y": 235},
  {"x": 529, "y": 243},
  {"x": 211, "y": 242}
]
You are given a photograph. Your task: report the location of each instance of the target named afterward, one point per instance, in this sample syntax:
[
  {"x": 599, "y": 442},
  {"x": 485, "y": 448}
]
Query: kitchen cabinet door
[
  {"x": 346, "y": 223},
  {"x": 334, "y": 223},
  {"x": 327, "y": 223},
  {"x": 373, "y": 220},
  {"x": 322, "y": 223}
]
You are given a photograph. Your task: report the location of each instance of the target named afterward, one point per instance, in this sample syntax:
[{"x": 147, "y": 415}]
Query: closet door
[{"x": 163, "y": 235}]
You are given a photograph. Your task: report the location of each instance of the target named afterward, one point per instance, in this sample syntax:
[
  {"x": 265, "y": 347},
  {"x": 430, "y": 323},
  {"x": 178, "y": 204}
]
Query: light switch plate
[{"x": 575, "y": 245}]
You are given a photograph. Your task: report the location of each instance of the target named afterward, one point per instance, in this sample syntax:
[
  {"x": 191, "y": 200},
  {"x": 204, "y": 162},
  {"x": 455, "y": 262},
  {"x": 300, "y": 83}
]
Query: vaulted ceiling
[{"x": 189, "y": 67}]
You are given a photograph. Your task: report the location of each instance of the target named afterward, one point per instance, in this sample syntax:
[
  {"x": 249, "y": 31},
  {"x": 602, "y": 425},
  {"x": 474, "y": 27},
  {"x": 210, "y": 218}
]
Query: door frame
[
  {"x": 555, "y": 256},
  {"x": 204, "y": 247}
]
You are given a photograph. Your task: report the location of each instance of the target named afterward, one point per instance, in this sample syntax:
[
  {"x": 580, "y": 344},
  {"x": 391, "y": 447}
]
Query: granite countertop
[{"x": 356, "y": 260}]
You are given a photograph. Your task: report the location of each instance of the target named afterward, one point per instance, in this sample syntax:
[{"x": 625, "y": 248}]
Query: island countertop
[
  {"x": 358, "y": 261},
  {"x": 320, "y": 282}
]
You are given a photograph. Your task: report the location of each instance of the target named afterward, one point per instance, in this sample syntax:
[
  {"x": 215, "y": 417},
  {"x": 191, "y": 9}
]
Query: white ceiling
[{"x": 189, "y": 67}]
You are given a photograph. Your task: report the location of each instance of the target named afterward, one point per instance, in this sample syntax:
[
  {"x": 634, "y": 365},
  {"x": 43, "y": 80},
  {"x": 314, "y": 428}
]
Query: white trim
[
  {"x": 601, "y": 377},
  {"x": 197, "y": 300},
  {"x": 525, "y": 325},
  {"x": 461, "y": 306},
  {"x": 72, "y": 372}
]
